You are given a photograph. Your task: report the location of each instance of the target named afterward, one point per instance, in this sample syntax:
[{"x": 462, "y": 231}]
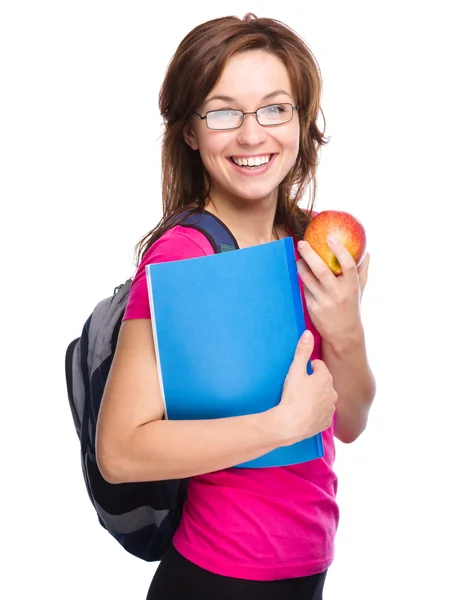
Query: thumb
[
  {"x": 363, "y": 271},
  {"x": 301, "y": 360},
  {"x": 304, "y": 350}
]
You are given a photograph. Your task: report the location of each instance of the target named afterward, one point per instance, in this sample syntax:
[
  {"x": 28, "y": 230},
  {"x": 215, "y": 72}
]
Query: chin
[
  {"x": 255, "y": 193},
  {"x": 255, "y": 198}
]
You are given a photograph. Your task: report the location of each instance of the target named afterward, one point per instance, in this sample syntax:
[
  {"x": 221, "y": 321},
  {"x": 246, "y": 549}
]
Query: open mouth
[{"x": 252, "y": 163}]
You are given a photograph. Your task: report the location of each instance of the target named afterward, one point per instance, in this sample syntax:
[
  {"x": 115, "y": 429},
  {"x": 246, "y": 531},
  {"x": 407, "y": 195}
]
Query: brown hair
[{"x": 192, "y": 73}]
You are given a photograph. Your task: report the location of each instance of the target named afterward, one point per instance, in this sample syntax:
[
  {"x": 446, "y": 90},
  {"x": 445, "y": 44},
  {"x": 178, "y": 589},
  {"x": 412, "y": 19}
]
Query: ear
[{"x": 190, "y": 138}]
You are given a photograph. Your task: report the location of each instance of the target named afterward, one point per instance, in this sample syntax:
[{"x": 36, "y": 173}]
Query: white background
[{"x": 80, "y": 177}]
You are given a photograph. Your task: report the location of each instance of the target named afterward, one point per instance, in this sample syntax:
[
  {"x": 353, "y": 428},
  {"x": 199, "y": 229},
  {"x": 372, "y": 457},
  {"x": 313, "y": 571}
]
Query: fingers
[
  {"x": 316, "y": 264},
  {"x": 308, "y": 278},
  {"x": 345, "y": 259},
  {"x": 320, "y": 269},
  {"x": 319, "y": 366}
]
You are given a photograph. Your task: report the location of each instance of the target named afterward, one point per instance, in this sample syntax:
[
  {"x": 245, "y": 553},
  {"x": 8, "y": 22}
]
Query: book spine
[
  {"x": 296, "y": 293},
  {"x": 295, "y": 286}
]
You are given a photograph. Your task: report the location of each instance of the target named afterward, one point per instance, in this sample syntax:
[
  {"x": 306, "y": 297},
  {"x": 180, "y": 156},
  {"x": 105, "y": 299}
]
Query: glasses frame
[{"x": 243, "y": 114}]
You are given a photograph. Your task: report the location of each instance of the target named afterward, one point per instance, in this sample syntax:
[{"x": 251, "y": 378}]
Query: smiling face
[{"x": 250, "y": 162}]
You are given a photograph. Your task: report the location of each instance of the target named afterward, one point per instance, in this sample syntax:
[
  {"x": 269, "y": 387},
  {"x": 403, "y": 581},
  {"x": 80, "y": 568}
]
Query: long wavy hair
[{"x": 192, "y": 73}]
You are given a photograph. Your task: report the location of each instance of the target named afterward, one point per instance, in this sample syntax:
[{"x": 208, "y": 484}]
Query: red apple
[{"x": 344, "y": 227}]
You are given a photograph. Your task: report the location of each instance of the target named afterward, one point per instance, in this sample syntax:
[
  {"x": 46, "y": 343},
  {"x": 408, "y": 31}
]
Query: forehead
[{"x": 250, "y": 76}]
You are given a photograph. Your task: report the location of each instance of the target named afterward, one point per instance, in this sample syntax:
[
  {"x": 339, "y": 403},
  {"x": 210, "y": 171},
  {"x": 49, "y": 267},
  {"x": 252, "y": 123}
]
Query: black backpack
[{"x": 142, "y": 517}]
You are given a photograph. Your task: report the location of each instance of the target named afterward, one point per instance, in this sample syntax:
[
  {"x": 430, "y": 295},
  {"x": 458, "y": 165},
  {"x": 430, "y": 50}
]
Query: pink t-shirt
[{"x": 260, "y": 524}]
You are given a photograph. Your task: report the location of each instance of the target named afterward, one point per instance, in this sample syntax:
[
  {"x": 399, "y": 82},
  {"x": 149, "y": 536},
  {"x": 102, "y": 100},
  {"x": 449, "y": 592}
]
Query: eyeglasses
[{"x": 267, "y": 116}]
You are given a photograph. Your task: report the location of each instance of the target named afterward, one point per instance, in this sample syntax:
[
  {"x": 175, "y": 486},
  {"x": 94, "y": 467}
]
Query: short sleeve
[{"x": 178, "y": 243}]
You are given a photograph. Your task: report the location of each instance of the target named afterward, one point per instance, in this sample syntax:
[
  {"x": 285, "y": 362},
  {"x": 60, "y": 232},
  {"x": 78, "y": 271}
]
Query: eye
[
  {"x": 226, "y": 113},
  {"x": 277, "y": 109},
  {"x": 274, "y": 111}
]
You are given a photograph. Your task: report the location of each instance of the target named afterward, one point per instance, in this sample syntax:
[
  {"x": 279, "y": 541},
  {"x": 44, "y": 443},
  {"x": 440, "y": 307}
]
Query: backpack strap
[
  {"x": 69, "y": 378},
  {"x": 218, "y": 234}
]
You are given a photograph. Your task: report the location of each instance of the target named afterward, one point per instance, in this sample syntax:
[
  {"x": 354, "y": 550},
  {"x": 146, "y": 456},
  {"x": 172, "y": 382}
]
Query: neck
[
  {"x": 251, "y": 226},
  {"x": 252, "y": 223}
]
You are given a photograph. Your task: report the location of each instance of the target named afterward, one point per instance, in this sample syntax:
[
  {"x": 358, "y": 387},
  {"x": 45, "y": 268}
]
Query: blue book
[{"x": 226, "y": 327}]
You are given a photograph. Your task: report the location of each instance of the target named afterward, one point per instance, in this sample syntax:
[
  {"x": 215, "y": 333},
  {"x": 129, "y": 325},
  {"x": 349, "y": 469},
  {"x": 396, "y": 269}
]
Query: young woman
[{"x": 241, "y": 103}]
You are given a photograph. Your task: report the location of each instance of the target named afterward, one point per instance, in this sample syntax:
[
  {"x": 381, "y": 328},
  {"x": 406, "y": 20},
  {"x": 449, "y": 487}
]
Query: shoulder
[{"x": 178, "y": 243}]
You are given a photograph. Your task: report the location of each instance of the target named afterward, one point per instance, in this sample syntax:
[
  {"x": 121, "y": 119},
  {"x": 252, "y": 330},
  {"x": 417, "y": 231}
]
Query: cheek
[
  {"x": 212, "y": 147},
  {"x": 296, "y": 147},
  {"x": 291, "y": 136},
  {"x": 291, "y": 143}
]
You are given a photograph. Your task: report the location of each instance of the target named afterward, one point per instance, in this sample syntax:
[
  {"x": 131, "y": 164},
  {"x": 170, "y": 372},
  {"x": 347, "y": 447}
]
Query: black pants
[{"x": 179, "y": 579}]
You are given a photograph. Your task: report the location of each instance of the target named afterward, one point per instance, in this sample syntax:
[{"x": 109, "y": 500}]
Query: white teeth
[{"x": 252, "y": 162}]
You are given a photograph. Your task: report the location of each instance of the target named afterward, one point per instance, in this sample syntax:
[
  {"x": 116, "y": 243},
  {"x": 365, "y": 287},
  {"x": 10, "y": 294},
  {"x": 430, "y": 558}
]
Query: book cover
[{"x": 225, "y": 330}]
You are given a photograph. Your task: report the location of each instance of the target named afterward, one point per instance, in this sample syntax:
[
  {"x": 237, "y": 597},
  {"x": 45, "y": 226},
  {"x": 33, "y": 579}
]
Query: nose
[{"x": 251, "y": 133}]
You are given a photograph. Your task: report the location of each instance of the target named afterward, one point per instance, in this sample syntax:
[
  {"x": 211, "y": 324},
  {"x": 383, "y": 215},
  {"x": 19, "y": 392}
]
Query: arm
[
  {"x": 134, "y": 443},
  {"x": 334, "y": 306},
  {"x": 354, "y": 384}
]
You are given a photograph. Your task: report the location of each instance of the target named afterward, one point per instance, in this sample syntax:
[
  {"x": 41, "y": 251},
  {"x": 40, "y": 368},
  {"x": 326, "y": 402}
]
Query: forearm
[
  {"x": 354, "y": 383},
  {"x": 172, "y": 449}
]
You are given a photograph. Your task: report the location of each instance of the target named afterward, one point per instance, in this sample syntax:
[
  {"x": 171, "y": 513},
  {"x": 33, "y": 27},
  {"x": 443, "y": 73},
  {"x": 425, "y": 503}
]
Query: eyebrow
[{"x": 267, "y": 97}]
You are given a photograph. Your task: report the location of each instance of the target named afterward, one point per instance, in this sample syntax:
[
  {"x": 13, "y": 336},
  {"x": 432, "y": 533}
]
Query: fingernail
[
  {"x": 331, "y": 239},
  {"x": 301, "y": 245},
  {"x": 306, "y": 337}
]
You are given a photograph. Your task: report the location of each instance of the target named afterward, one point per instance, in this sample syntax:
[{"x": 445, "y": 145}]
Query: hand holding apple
[
  {"x": 334, "y": 244},
  {"x": 345, "y": 228}
]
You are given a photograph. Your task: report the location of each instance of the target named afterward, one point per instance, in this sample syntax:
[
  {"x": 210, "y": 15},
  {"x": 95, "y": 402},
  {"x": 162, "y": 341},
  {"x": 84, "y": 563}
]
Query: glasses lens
[
  {"x": 224, "y": 119},
  {"x": 275, "y": 114}
]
